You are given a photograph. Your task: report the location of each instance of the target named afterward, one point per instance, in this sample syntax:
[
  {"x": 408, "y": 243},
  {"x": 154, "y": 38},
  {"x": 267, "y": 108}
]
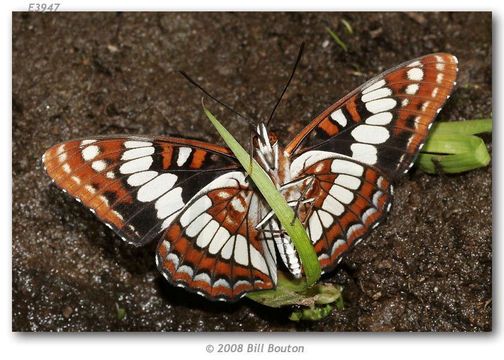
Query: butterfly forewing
[
  {"x": 136, "y": 185},
  {"x": 384, "y": 122}
]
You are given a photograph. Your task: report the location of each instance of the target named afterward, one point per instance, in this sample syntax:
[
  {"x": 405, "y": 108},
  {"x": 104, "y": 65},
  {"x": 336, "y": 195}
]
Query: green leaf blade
[{"x": 337, "y": 39}]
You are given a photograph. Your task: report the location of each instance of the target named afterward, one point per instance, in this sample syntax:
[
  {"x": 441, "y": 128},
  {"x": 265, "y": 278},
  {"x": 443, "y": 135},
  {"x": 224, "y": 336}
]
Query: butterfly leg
[
  {"x": 269, "y": 231},
  {"x": 270, "y": 214},
  {"x": 302, "y": 199},
  {"x": 251, "y": 151}
]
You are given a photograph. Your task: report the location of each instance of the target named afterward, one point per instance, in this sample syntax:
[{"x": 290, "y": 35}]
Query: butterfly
[{"x": 218, "y": 237}]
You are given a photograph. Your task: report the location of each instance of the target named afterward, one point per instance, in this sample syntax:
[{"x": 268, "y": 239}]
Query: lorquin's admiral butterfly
[{"x": 218, "y": 236}]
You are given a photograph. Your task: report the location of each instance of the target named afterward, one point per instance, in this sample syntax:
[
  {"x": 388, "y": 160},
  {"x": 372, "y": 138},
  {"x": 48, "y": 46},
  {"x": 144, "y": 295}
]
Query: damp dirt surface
[{"x": 427, "y": 268}]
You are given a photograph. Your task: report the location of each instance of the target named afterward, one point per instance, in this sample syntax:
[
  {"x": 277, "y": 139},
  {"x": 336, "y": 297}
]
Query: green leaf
[
  {"x": 464, "y": 127},
  {"x": 337, "y": 39},
  {"x": 276, "y": 201},
  {"x": 452, "y": 147},
  {"x": 295, "y": 292},
  {"x": 311, "y": 314},
  {"x": 120, "y": 312},
  {"x": 347, "y": 26}
]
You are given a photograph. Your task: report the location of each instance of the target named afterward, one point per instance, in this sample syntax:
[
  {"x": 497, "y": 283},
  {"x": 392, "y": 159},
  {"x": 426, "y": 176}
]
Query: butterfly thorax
[
  {"x": 266, "y": 149},
  {"x": 273, "y": 160},
  {"x": 277, "y": 165}
]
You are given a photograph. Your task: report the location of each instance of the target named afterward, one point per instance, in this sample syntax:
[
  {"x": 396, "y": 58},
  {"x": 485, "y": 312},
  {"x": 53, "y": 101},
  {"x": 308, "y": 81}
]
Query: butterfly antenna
[
  {"x": 193, "y": 82},
  {"x": 288, "y": 82}
]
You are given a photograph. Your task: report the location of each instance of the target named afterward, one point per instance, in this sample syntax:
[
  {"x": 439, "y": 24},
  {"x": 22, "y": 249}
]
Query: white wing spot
[
  {"x": 237, "y": 205},
  {"x": 61, "y": 153},
  {"x": 99, "y": 165},
  {"x": 207, "y": 234},
  {"x": 157, "y": 187},
  {"x": 370, "y": 134},
  {"x": 333, "y": 206},
  {"x": 343, "y": 195},
  {"x": 135, "y": 144},
  {"x": 315, "y": 228},
  {"x": 425, "y": 105},
  {"x": 376, "y": 197},
  {"x": 197, "y": 225},
  {"x": 186, "y": 269},
  {"x": 339, "y": 117},
  {"x": 118, "y": 215},
  {"x": 340, "y": 166},
  {"x": 136, "y": 165},
  {"x": 380, "y": 105},
  {"x": 376, "y": 94},
  {"x": 90, "y": 152},
  {"x": 224, "y": 194},
  {"x": 137, "y": 153},
  {"x": 336, "y": 245},
  {"x": 368, "y": 213},
  {"x": 307, "y": 159},
  {"x": 241, "y": 251},
  {"x": 227, "y": 250},
  {"x": 350, "y": 182},
  {"x": 183, "y": 155},
  {"x": 415, "y": 74},
  {"x": 203, "y": 277},
  {"x": 141, "y": 178},
  {"x": 241, "y": 283},
  {"x": 104, "y": 200},
  {"x": 366, "y": 153},
  {"x": 412, "y": 89},
  {"x": 257, "y": 260},
  {"x": 352, "y": 229},
  {"x": 326, "y": 218},
  {"x": 374, "y": 86},
  {"x": 169, "y": 203},
  {"x": 218, "y": 241},
  {"x": 195, "y": 209},
  {"x": 415, "y": 64},
  {"x": 223, "y": 283},
  {"x": 174, "y": 260},
  {"x": 383, "y": 118},
  {"x": 379, "y": 182}
]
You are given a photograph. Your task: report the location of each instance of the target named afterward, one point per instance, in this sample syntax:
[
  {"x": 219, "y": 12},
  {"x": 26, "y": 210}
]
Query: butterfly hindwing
[
  {"x": 384, "y": 122},
  {"x": 350, "y": 198},
  {"x": 136, "y": 185},
  {"x": 214, "y": 248}
]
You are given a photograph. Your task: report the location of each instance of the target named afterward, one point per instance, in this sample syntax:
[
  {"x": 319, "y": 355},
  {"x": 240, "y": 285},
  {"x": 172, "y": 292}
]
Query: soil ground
[{"x": 427, "y": 268}]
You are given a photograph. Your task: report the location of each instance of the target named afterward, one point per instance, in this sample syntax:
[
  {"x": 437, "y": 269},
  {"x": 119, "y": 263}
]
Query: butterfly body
[{"x": 218, "y": 237}]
